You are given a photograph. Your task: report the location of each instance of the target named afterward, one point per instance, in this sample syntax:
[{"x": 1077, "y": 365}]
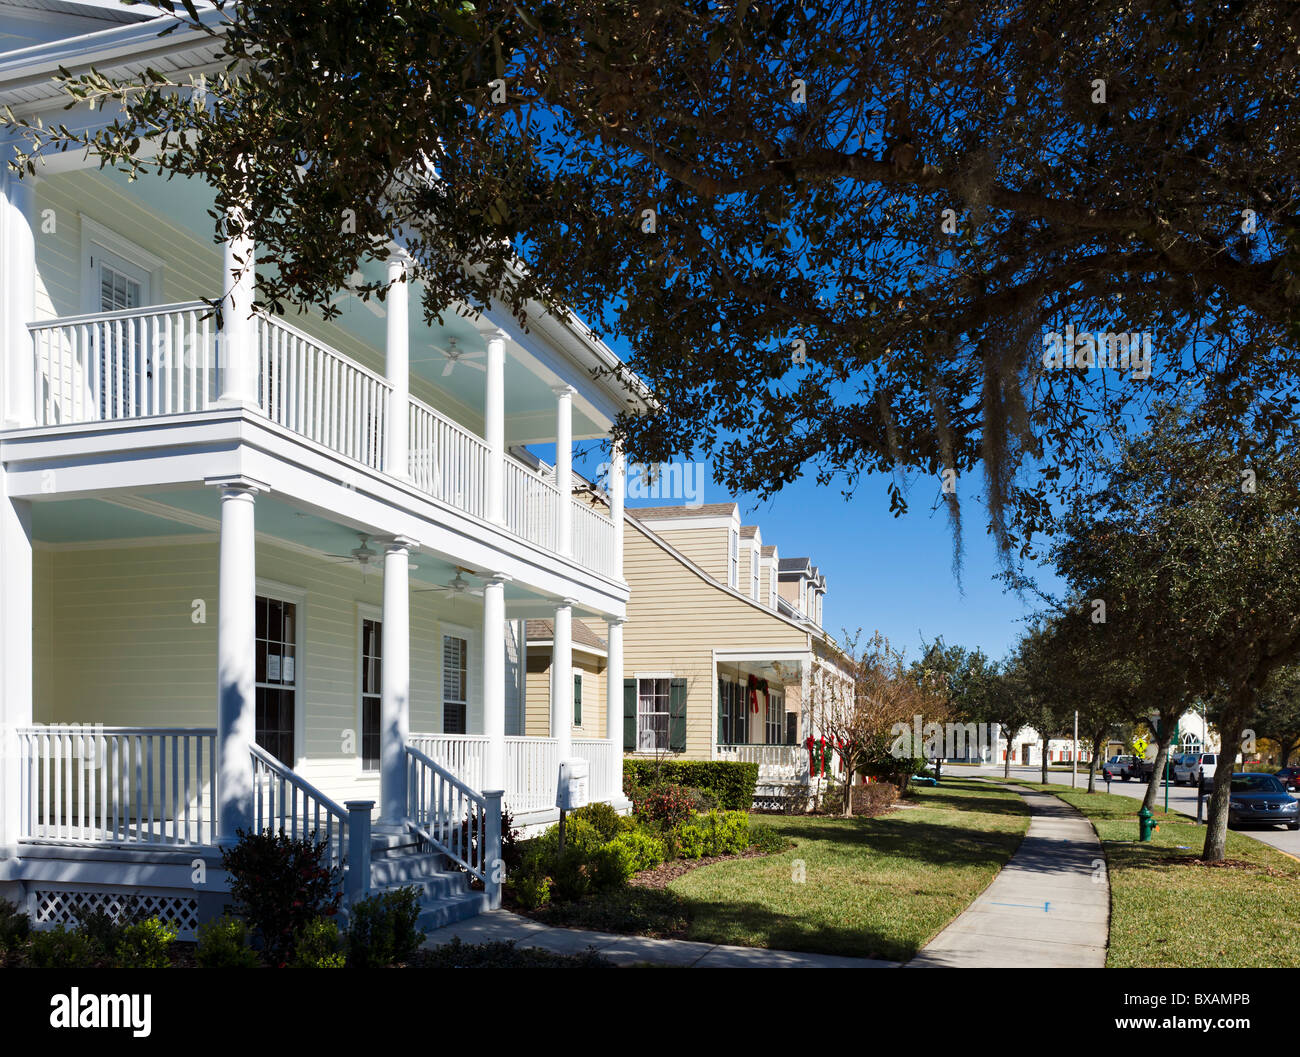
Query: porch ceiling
[
  {"x": 195, "y": 512},
  {"x": 530, "y": 404},
  {"x": 778, "y": 672}
]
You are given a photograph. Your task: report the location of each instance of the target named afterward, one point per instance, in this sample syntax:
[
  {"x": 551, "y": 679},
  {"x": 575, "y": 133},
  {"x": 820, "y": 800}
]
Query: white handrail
[
  {"x": 452, "y": 818},
  {"x": 283, "y": 801},
  {"x": 84, "y": 783},
  {"x": 531, "y": 505}
]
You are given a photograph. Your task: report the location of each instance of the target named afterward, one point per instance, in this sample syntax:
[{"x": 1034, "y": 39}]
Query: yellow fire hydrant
[{"x": 1146, "y": 824}]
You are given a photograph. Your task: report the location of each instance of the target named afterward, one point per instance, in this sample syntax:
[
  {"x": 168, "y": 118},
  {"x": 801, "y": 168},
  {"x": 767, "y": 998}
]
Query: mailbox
[{"x": 572, "y": 791}]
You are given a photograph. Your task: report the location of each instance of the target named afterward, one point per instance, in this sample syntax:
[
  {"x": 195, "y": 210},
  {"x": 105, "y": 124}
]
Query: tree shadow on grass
[{"x": 938, "y": 844}]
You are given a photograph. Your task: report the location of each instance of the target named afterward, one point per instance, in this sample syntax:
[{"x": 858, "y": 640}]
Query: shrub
[
  {"x": 702, "y": 800},
  {"x": 717, "y": 833},
  {"x": 318, "y": 946},
  {"x": 14, "y": 925},
  {"x": 645, "y": 850},
  {"x": 511, "y": 850},
  {"x": 766, "y": 839},
  {"x": 531, "y": 885},
  {"x": 666, "y": 805},
  {"x": 59, "y": 948},
  {"x": 729, "y": 782},
  {"x": 223, "y": 944},
  {"x": 279, "y": 884},
  {"x": 383, "y": 929},
  {"x": 570, "y": 874},
  {"x": 606, "y": 821},
  {"x": 578, "y": 833},
  {"x": 691, "y": 840},
  {"x": 874, "y": 799},
  {"x": 611, "y": 866},
  {"x": 145, "y": 945}
]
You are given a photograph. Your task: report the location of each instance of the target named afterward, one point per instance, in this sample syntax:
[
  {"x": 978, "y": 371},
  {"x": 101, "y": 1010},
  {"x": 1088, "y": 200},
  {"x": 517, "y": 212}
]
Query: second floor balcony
[{"x": 173, "y": 359}]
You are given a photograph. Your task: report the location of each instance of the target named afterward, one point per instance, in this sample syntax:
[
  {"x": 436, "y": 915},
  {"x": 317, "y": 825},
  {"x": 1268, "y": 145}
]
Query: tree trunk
[
  {"x": 848, "y": 795},
  {"x": 1092, "y": 763},
  {"x": 1216, "y": 829},
  {"x": 1162, "y": 754},
  {"x": 1045, "y": 743},
  {"x": 1006, "y": 763}
]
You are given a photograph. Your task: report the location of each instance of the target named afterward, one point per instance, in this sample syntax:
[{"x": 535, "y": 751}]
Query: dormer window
[
  {"x": 753, "y": 569},
  {"x": 771, "y": 587},
  {"x": 733, "y": 565}
]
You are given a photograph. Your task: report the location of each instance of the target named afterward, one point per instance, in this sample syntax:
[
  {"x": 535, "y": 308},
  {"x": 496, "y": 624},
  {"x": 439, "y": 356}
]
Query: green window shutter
[
  {"x": 724, "y": 729},
  {"x": 629, "y": 715},
  {"x": 577, "y": 699},
  {"x": 677, "y": 716}
]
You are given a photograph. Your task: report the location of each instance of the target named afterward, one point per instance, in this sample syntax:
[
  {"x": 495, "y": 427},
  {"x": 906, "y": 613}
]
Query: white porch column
[
  {"x": 562, "y": 679},
  {"x": 15, "y": 654},
  {"x": 17, "y": 294},
  {"x": 494, "y": 428},
  {"x": 395, "y": 693},
  {"x": 397, "y": 360},
  {"x": 238, "y": 380},
  {"x": 617, "y": 490},
  {"x": 564, "y": 467},
  {"x": 614, "y": 703},
  {"x": 236, "y": 648},
  {"x": 494, "y": 681}
]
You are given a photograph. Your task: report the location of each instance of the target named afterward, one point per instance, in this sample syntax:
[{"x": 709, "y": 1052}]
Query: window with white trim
[
  {"x": 774, "y": 719},
  {"x": 771, "y": 586},
  {"x": 733, "y": 560},
  {"x": 753, "y": 569},
  {"x": 652, "y": 709},
  {"x": 276, "y": 675},
  {"x": 455, "y": 684},
  {"x": 372, "y": 675}
]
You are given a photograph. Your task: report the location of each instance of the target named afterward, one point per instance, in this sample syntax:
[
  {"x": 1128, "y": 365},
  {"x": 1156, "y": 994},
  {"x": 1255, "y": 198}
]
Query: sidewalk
[
  {"x": 496, "y": 926},
  {"x": 1048, "y": 908}
]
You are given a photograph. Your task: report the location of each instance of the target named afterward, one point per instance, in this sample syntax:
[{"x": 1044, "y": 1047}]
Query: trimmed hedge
[{"x": 731, "y": 783}]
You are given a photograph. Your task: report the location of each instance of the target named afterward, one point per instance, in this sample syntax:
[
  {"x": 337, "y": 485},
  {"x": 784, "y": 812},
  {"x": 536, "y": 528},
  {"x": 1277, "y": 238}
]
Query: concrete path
[
  {"x": 1048, "y": 908},
  {"x": 501, "y": 925}
]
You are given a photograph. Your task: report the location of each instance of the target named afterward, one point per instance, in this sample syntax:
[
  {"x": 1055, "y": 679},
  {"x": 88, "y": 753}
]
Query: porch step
[{"x": 445, "y": 895}]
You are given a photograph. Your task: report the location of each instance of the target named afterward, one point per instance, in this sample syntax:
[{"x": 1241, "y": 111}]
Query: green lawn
[
  {"x": 879, "y": 887},
  {"x": 1169, "y": 910}
]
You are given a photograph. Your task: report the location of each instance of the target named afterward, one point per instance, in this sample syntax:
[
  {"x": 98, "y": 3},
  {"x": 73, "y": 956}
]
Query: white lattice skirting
[{"x": 50, "y": 906}]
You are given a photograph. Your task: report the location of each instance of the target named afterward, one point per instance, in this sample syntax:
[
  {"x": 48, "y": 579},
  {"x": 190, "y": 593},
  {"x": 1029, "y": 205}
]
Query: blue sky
[{"x": 883, "y": 573}]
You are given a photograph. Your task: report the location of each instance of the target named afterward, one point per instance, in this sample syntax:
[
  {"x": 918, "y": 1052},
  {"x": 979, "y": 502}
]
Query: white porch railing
[
  {"x": 317, "y": 392},
  {"x": 447, "y": 460},
  {"x": 593, "y": 538},
  {"x": 532, "y": 765},
  {"x": 784, "y": 763},
  {"x": 130, "y": 785},
  {"x": 449, "y": 816},
  {"x": 283, "y": 800},
  {"x": 130, "y": 364}
]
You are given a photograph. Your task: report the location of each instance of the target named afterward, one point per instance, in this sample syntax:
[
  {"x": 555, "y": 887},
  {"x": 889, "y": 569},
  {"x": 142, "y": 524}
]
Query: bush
[
  {"x": 223, "y": 944},
  {"x": 570, "y": 874},
  {"x": 667, "y": 805},
  {"x": 14, "y": 925},
  {"x": 318, "y": 946},
  {"x": 145, "y": 945},
  {"x": 59, "y": 948},
  {"x": 279, "y": 885},
  {"x": 717, "y": 833},
  {"x": 530, "y": 883},
  {"x": 702, "y": 800},
  {"x": 611, "y": 866},
  {"x": 645, "y": 850},
  {"x": 604, "y": 819},
  {"x": 691, "y": 840},
  {"x": 730, "y": 783},
  {"x": 383, "y": 929},
  {"x": 766, "y": 839},
  {"x": 874, "y": 799}
]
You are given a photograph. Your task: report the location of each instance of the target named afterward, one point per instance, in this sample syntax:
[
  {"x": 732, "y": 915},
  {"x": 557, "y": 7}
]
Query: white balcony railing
[
  {"x": 447, "y": 460},
  {"x": 313, "y": 390},
  {"x": 781, "y": 763},
  {"x": 132, "y": 364},
  {"x": 166, "y": 360}
]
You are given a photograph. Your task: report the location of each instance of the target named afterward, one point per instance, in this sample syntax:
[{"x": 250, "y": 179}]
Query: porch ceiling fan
[
  {"x": 457, "y": 586},
  {"x": 455, "y": 356},
  {"x": 373, "y": 305},
  {"x": 363, "y": 555}
]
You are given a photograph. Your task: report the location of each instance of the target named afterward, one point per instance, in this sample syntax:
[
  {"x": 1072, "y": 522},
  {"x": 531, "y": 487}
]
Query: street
[{"x": 1181, "y": 798}]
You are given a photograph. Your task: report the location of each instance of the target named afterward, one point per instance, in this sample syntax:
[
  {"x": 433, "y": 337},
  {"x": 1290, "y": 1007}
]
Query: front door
[{"x": 277, "y": 677}]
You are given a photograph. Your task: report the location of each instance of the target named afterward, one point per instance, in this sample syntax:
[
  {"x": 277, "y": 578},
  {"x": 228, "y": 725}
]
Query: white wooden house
[{"x": 274, "y": 573}]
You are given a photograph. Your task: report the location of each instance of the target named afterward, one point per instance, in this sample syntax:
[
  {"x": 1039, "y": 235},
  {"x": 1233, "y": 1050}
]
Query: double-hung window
[
  {"x": 455, "y": 684},
  {"x": 276, "y": 677},
  {"x": 774, "y": 720},
  {"x": 652, "y": 708},
  {"x": 753, "y": 573},
  {"x": 733, "y": 561},
  {"x": 372, "y": 676}
]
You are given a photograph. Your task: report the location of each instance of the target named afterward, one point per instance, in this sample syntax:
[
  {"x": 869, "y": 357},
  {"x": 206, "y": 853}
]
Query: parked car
[
  {"x": 1289, "y": 777},
  {"x": 1118, "y": 767},
  {"x": 1204, "y": 767},
  {"x": 1183, "y": 765},
  {"x": 1262, "y": 799}
]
